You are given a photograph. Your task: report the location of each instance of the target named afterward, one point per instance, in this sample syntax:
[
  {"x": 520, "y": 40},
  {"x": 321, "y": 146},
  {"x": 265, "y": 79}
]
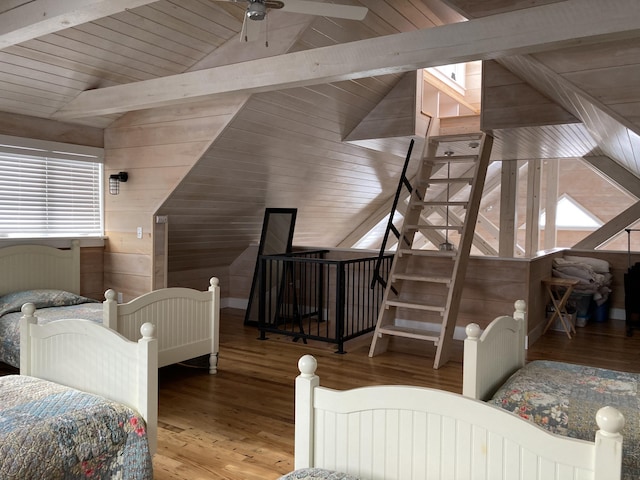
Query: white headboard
[
  {"x": 26, "y": 267},
  {"x": 93, "y": 358}
]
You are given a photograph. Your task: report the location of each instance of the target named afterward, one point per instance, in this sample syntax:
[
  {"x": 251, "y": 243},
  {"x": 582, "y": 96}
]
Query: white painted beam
[
  {"x": 563, "y": 24},
  {"x": 532, "y": 241},
  {"x": 615, "y": 172},
  {"x": 41, "y": 17},
  {"x": 610, "y": 229},
  {"x": 508, "y": 210},
  {"x": 552, "y": 169}
]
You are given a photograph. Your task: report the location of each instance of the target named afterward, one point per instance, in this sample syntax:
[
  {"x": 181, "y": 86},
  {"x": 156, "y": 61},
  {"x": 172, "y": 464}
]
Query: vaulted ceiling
[{"x": 309, "y": 81}]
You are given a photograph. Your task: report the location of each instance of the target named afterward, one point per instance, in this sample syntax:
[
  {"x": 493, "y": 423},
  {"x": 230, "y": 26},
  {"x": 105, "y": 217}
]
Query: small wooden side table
[{"x": 559, "y": 291}]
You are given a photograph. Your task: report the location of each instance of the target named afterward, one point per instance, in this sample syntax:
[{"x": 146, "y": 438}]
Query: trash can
[
  {"x": 582, "y": 303},
  {"x": 601, "y": 312}
]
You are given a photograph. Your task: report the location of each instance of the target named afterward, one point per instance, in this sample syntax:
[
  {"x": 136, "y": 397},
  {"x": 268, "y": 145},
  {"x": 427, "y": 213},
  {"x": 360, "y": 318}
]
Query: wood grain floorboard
[{"x": 238, "y": 424}]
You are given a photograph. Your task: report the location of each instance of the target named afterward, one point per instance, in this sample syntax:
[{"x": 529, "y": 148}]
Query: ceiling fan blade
[{"x": 348, "y": 12}]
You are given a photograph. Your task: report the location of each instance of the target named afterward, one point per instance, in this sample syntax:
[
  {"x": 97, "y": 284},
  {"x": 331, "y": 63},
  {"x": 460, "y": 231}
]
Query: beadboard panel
[
  {"x": 510, "y": 102},
  {"x": 157, "y": 151}
]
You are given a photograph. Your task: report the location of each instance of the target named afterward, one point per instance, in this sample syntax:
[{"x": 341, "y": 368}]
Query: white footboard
[
  {"x": 413, "y": 433},
  {"x": 187, "y": 321},
  {"x": 87, "y": 356},
  {"x": 490, "y": 358}
]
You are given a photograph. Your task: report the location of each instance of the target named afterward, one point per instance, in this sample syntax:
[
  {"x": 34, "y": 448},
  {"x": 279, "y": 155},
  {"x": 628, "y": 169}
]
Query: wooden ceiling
[{"x": 91, "y": 63}]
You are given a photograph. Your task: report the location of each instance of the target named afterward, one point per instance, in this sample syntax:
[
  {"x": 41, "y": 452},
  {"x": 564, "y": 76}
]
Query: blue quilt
[
  {"x": 51, "y": 305},
  {"x": 564, "y": 398},
  {"x": 51, "y": 431}
]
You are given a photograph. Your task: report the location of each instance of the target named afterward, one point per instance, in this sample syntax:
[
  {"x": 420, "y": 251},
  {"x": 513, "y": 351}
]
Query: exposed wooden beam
[
  {"x": 610, "y": 229},
  {"x": 564, "y": 24},
  {"x": 508, "y": 211},
  {"x": 552, "y": 169},
  {"x": 532, "y": 241},
  {"x": 615, "y": 172},
  {"x": 41, "y": 17}
]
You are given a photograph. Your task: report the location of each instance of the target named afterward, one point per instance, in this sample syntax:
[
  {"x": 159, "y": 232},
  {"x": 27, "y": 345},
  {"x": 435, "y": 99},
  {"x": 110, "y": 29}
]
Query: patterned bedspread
[
  {"x": 316, "y": 474},
  {"x": 564, "y": 398},
  {"x": 51, "y": 305},
  {"x": 51, "y": 431}
]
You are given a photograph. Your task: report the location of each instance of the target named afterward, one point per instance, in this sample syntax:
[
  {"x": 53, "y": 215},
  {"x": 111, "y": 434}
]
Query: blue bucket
[{"x": 601, "y": 312}]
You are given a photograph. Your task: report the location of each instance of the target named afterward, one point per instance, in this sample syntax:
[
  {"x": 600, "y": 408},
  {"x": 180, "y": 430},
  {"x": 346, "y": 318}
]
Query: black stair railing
[{"x": 404, "y": 182}]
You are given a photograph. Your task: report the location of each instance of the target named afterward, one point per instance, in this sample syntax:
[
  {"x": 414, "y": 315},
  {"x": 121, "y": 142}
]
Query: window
[
  {"x": 49, "y": 189},
  {"x": 570, "y": 215}
]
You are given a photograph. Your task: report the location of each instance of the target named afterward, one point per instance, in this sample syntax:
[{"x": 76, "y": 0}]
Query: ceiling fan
[{"x": 257, "y": 11}]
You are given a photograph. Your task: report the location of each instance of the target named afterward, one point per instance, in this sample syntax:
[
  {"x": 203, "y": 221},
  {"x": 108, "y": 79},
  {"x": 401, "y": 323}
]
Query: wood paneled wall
[
  {"x": 91, "y": 272},
  {"x": 43, "y": 129},
  {"x": 157, "y": 148},
  {"x": 509, "y": 102}
]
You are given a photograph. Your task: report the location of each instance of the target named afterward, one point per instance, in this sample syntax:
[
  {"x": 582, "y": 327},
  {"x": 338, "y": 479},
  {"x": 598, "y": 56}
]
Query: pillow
[{"x": 41, "y": 298}]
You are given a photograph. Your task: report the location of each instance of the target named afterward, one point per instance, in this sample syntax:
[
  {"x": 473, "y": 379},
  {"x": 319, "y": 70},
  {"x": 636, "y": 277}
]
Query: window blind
[{"x": 46, "y": 193}]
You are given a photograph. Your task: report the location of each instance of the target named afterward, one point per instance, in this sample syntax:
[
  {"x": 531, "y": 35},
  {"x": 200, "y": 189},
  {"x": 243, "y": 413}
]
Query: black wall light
[{"x": 114, "y": 182}]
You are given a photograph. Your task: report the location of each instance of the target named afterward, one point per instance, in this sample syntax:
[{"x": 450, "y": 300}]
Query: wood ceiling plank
[
  {"x": 611, "y": 85},
  {"x": 40, "y": 17},
  {"x": 84, "y": 40},
  {"x": 210, "y": 31},
  {"x": 121, "y": 39},
  {"x": 74, "y": 51},
  {"x": 535, "y": 29},
  {"x": 13, "y": 56},
  {"x": 45, "y": 53},
  {"x": 577, "y": 59}
]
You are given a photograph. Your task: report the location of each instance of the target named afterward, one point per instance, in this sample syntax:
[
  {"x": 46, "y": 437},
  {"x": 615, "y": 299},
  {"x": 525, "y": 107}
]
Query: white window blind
[{"x": 47, "y": 190}]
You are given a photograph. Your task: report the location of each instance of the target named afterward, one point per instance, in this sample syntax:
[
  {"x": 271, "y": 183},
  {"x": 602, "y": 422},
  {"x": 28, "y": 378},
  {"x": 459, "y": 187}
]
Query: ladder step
[
  {"x": 427, "y": 253},
  {"x": 416, "y": 333},
  {"x": 457, "y": 228},
  {"x": 459, "y": 137},
  {"x": 420, "y": 278},
  {"x": 451, "y": 159},
  {"x": 415, "y": 306},
  {"x": 417, "y": 203},
  {"x": 434, "y": 181}
]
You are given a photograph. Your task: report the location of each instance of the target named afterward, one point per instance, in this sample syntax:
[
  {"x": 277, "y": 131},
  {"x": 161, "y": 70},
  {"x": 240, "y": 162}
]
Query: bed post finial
[
  {"x": 214, "y": 282},
  {"x": 521, "y": 309},
  {"x": 148, "y": 330},
  {"x": 28, "y": 309},
  {"x": 307, "y": 365},
  {"x": 473, "y": 331},
  {"x": 306, "y": 383},
  {"x": 608, "y": 460}
]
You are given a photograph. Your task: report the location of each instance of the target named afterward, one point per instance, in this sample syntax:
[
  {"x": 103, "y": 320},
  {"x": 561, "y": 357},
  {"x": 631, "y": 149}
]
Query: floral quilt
[
  {"x": 564, "y": 398},
  {"x": 316, "y": 474},
  {"x": 51, "y": 431},
  {"x": 51, "y": 305}
]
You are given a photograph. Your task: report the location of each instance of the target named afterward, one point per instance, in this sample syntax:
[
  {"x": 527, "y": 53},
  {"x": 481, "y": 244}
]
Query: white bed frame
[
  {"x": 90, "y": 357},
  {"x": 187, "y": 321},
  {"x": 490, "y": 357},
  {"x": 415, "y": 433}
]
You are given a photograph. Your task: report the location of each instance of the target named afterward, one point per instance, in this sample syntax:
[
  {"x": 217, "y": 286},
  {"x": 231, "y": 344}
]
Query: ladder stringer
[
  {"x": 450, "y": 316},
  {"x": 387, "y": 315},
  {"x": 422, "y": 289}
]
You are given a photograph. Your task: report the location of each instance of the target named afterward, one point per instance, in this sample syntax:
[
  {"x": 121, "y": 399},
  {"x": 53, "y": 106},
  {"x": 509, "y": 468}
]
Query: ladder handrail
[{"x": 390, "y": 226}]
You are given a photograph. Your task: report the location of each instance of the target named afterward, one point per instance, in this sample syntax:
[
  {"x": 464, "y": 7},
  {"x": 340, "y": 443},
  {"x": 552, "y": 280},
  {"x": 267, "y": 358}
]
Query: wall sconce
[{"x": 114, "y": 182}]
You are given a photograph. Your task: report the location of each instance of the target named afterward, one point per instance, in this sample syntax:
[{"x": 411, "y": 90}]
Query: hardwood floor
[{"x": 238, "y": 424}]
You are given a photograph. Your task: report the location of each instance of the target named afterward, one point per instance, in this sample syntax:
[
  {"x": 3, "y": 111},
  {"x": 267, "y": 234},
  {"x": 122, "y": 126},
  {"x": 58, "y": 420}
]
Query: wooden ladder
[{"x": 427, "y": 275}]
